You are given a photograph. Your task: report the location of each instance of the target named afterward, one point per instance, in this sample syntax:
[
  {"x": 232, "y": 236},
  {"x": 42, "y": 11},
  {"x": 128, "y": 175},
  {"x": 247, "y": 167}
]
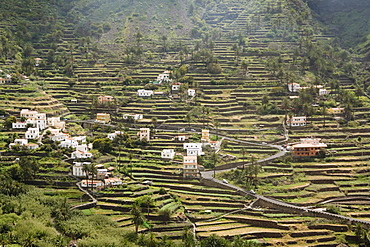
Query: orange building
[{"x": 308, "y": 147}]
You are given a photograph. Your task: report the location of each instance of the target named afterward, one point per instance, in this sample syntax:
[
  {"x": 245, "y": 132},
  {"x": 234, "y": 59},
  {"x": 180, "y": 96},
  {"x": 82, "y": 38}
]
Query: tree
[
  {"x": 215, "y": 160},
  {"x": 265, "y": 99},
  {"x": 146, "y": 201},
  {"x": 9, "y": 121},
  {"x": 154, "y": 121},
  {"x": 104, "y": 145},
  {"x": 188, "y": 238},
  {"x": 214, "y": 241},
  {"x": 137, "y": 216},
  {"x": 324, "y": 112}
]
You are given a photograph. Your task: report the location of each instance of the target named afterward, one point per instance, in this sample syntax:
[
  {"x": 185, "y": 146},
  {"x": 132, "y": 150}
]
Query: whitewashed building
[
  {"x": 144, "y": 93},
  {"x": 168, "y": 154},
  {"x": 296, "y": 121},
  {"x": 193, "y": 149},
  {"x": 78, "y": 169},
  {"x": 191, "y": 92},
  {"x": 19, "y": 125},
  {"x": 144, "y": 134},
  {"x": 134, "y": 117},
  {"x": 32, "y": 133}
]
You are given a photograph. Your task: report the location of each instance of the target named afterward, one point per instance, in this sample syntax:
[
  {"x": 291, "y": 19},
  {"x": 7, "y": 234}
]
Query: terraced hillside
[{"x": 240, "y": 67}]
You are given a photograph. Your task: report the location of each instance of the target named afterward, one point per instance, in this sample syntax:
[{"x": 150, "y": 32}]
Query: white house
[
  {"x": 81, "y": 152},
  {"x": 40, "y": 121},
  {"x": 80, "y": 139},
  {"x": 78, "y": 169},
  {"x": 28, "y": 114},
  {"x": 144, "y": 93},
  {"x": 58, "y": 137},
  {"x": 32, "y": 146},
  {"x": 323, "y": 91},
  {"x": 20, "y": 142},
  {"x": 296, "y": 121},
  {"x": 68, "y": 143},
  {"x": 132, "y": 116},
  {"x": 190, "y": 167},
  {"x": 193, "y": 149},
  {"x": 32, "y": 133},
  {"x": 181, "y": 138},
  {"x": 164, "y": 77},
  {"x": 214, "y": 144},
  {"x": 294, "y": 87},
  {"x": 112, "y": 136},
  {"x": 112, "y": 181},
  {"x": 19, "y": 125},
  {"x": 91, "y": 183},
  {"x": 191, "y": 92},
  {"x": 144, "y": 133},
  {"x": 168, "y": 154}
]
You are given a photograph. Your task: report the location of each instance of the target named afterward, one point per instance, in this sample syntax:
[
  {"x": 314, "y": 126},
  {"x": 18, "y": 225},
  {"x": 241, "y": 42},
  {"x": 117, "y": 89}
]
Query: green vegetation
[{"x": 239, "y": 57}]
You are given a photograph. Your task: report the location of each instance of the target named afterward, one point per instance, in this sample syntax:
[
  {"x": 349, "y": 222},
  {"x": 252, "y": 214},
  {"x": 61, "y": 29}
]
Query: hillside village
[{"x": 253, "y": 129}]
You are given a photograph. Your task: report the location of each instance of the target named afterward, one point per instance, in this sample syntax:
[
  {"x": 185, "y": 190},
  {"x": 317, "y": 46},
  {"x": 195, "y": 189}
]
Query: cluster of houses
[
  {"x": 103, "y": 176},
  {"x": 296, "y": 87},
  {"x": 301, "y": 120},
  {"x": 165, "y": 78},
  {"x": 34, "y": 122},
  {"x": 191, "y": 168}
]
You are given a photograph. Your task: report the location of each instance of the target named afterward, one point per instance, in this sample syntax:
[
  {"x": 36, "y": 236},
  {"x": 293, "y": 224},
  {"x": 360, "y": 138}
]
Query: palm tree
[
  {"x": 188, "y": 238},
  {"x": 324, "y": 112},
  {"x": 215, "y": 159},
  {"x": 130, "y": 157},
  {"x": 137, "y": 216}
]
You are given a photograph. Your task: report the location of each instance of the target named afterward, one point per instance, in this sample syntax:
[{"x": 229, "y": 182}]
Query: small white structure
[
  {"x": 78, "y": 169},
  {"x": 112, "y": 136},
  {"x": 112, "y": 181},
  {"x": 164, "y": 77},
  {"x": 294, "y": 87},
  {"x": 296, "y": 121},
  {"x": 19, "y": 125},
  {"x": 28, "y": 114},
  {"x": 214, "y": 144},
  {"x": 20, "y": 142},
  {"x": 193, "y": 149},
  {"x": 80, "y": 139},
  {"x": 32, "y": 133},
  {"x": 74, "y": 100},
  {"x": 68, "y": 143},
  {"x": 181, "y": 138},
  {"x": 32, "y": 146},
  {"x": 58, "y": 137},
  {"x": 168, "y": 154},
  {"x": 190, "y": 168},
  {"x": 323, "y": 91},
  {"x": 144, "y": 134},
  {"x": 91, "y": 183},
  {"x": 81, "y": 152},
  {"x": 40, "y": 121},
  {"x": 134, "y": 117},
  {"x": 191, "y": 92},
  {"x": 55, "y": 122},
  {"x": 144, "y": 93}
]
